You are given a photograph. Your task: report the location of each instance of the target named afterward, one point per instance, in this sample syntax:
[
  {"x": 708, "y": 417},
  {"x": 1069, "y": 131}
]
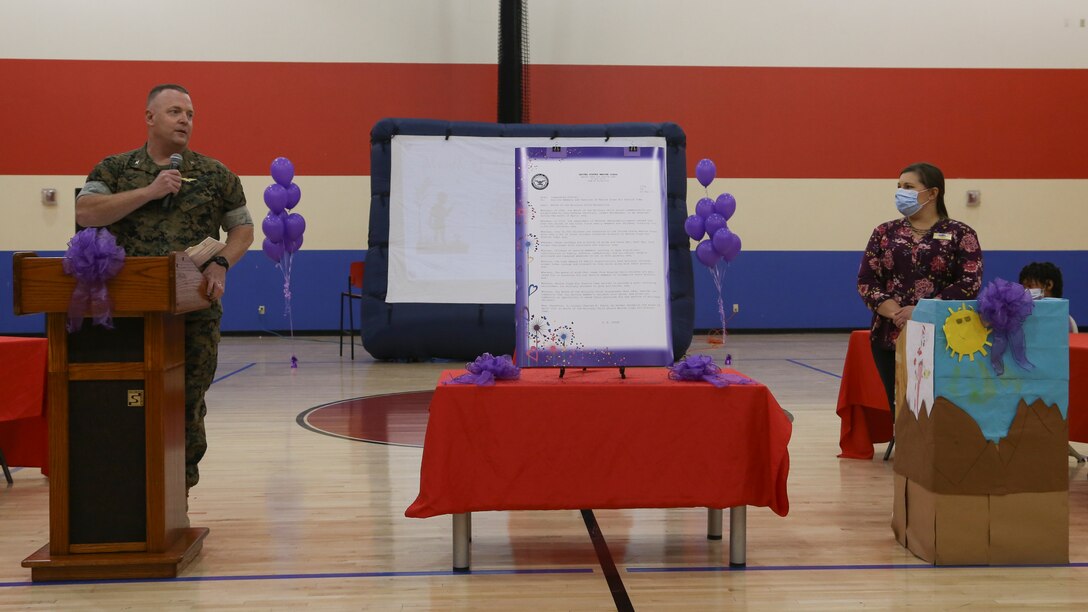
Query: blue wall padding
[
  {"x": 776, "y": 290},
  {"x": 464, "y": 331}
]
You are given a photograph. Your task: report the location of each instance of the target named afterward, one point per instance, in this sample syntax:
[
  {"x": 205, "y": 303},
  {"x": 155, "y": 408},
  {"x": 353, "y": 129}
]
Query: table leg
[
  {"x": 713, "y": 523},
  {"x": 462, "y": 527},
  {"x": 7, "y": 472},
  {"x": 738, "y": 519}
]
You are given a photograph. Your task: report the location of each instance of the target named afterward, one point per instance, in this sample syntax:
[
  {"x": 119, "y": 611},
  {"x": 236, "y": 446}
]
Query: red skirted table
[
  {"x": 863, "y": 406},
  {"x": 1078, "y": 387},
  {"x": 24, "y": 428},
  {"x": 593, "y": 440}
]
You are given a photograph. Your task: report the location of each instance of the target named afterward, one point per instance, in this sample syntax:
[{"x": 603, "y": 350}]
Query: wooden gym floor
[{"x": 302, "y": 519}]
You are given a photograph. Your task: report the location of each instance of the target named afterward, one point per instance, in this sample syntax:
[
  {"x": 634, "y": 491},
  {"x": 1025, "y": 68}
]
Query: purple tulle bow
[
  {"x": 486, "y": 369},
  {"x": 702, "y": 368},
  {"x": 1004, "y": 306},
  {"x": 93, "y": 258}
]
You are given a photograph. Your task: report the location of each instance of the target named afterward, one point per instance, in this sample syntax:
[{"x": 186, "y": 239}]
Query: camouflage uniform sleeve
[
  {"x": 234, "y": 201},
  {"x": 103, "y": 179}
]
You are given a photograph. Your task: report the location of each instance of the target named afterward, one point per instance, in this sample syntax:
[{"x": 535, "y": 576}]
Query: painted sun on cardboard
[{"x": 965, "y": 334}]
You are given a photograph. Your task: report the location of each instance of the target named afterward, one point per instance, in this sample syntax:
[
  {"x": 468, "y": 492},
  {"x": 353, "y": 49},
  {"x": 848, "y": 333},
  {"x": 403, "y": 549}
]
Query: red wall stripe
[
  {"x": 841, "y": 122},
  {"x": 60, "y": 117}
]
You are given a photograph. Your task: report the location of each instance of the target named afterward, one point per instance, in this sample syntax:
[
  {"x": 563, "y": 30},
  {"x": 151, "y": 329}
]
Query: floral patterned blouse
[{"x": 945, "y": 263}]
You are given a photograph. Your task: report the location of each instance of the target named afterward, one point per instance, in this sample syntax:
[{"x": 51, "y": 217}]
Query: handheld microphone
[{"x": 175, "y": 163}]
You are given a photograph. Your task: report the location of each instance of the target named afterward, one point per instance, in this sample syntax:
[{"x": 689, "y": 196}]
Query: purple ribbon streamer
[
  {"x": 703, "y": 368},
  {"x": 486, "y": 369},
  {"x": 716, "y": 274},
  {"x": 1005, "y": 306},
  {"x": 93, "y": 258}
]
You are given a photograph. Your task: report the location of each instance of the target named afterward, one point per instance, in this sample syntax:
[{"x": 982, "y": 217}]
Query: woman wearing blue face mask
[{"x": 922, "y": 254}]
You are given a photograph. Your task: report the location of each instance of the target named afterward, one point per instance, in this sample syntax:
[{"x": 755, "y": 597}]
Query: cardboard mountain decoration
[{"x": 981, "y": 473}]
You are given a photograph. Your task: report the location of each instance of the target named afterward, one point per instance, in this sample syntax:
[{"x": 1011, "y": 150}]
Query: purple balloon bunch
[
  {"x": 710, "y": 224},
  {"x": 282, "y": 229}
]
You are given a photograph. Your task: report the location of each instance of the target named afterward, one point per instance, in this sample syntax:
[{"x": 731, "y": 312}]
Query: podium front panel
[
  {"x": 106, "y": 449},
  {"x": 96, "y": 344}
]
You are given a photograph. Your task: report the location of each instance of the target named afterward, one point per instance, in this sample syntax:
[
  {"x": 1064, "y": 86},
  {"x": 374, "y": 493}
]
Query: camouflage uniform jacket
[{"x": 210, "y": 198}]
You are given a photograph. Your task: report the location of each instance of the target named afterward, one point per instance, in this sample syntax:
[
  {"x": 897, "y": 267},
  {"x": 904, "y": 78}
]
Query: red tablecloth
[
  {"x": 863, "y": 407},
  {"x": 592, "y": 440},
  {"x": 1078, "y": 387},
  {"x": 24, "y": 431}
]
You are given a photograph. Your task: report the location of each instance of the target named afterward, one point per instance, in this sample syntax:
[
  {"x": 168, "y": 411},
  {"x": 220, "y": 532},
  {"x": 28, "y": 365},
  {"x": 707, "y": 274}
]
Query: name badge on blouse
[{"x": 942, "y": 236}]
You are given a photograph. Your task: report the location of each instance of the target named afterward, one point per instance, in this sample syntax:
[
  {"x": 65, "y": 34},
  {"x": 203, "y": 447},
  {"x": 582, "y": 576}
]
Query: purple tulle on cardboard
[
  {"x": 93, "y": 258},
  {"x": 1004, "y": 306},
  {"x": 486, "y": 370},
  {"x": 703, "y": 368}
]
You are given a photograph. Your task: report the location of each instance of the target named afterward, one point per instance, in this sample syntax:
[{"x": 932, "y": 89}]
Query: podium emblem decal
[{"x": 136, "y": 398}]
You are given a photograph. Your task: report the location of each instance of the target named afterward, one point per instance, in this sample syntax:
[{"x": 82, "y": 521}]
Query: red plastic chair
[{"x": 354, "y": 292}]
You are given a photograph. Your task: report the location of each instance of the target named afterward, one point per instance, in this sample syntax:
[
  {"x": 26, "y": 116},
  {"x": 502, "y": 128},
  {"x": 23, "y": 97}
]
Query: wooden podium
[{"x": 117, "y": 506}]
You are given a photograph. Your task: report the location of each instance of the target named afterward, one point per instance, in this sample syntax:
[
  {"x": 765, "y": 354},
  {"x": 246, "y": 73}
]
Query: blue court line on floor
[
  {"x": 818, "y": 568},
  {"x": 339, "y": 575},
  {"x": 228, "y": 375},
  {"x": 805, "y": 365}
]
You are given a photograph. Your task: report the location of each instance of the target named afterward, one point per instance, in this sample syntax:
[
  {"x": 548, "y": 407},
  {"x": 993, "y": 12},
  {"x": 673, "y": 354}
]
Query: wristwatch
[{"x": 219, "y": 259}]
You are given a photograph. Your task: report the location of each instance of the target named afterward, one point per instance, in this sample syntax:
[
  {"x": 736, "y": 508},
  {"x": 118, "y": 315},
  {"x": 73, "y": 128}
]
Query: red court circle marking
[{"x": 397, "y": 418}]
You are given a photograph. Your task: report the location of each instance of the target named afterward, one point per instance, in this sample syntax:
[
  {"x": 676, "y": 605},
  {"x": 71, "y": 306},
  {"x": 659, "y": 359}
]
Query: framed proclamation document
[{"x": 592, "y": 258}]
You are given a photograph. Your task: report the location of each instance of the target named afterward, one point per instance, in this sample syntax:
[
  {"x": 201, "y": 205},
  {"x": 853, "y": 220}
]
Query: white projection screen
[{"x": 451, "y": 216}]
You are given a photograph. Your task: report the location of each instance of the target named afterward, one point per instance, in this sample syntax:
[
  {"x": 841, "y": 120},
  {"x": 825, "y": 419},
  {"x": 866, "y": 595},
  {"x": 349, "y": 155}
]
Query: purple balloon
[
  {"x": 275, "y": 197},
  {"x": 294, "y": 194},
  {"x": 292, "y": 246},
  {"x": 274, "y": 250},
  {"x": 714, "y": 223},
  {"x": 726, "y": 243},
  {"x": 283, "y": 171},
  {"x": 723, "y": 240},
  {"x": 705, "y": 253},
  {"x": 725, "y": 205},
  {"x": 704, "y": 207},
  {"x": 293, "y": 227},
  {"x": 273, "y": 227},
  {"x": 694, "y": 227},
  {"x": 704, "y": 171},
  {"x": 733, "y": 252}
]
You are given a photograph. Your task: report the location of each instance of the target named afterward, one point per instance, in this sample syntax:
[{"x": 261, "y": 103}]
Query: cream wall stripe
[
  {"x": 336, "y": 208},
  {"x": 772, "y": 214},
  {"x": 818, "y": 33},
  {"x": 840, "y": 214},
  {"x": 411, "y": 31},
  {"x": 815, "y": 33}
]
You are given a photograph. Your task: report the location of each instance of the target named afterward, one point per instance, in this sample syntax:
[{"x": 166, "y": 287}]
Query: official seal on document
[{"x": 539, "y": 181}]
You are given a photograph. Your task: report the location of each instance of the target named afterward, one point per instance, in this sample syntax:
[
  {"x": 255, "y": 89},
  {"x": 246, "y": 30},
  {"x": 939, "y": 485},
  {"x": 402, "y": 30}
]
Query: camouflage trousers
[{"x": 201, "y": 358}]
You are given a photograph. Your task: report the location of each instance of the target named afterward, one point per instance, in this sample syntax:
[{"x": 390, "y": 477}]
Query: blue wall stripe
[
  {"x": 775, "y": 290},
  {"x": 818, "y": 289}
]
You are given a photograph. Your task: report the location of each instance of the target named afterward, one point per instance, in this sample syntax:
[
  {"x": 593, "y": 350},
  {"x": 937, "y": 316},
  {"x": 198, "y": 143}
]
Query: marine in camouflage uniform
[{"x": 210, "y": 198}]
